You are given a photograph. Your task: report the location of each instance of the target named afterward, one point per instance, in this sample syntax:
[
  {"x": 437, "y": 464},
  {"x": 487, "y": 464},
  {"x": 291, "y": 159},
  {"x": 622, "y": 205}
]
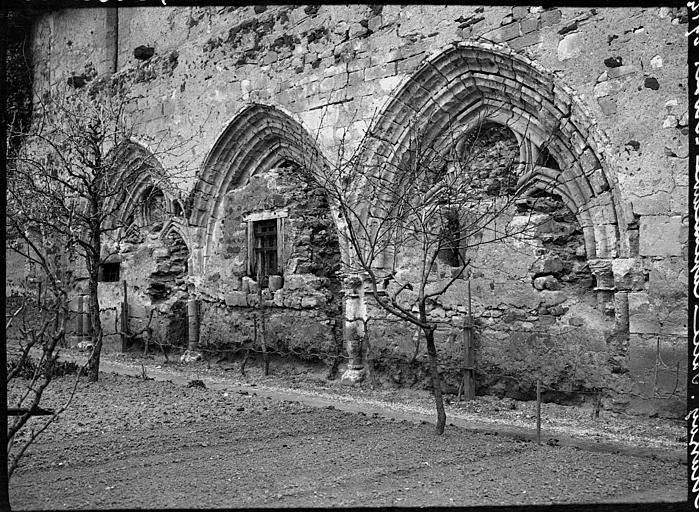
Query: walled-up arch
[
  {"x": 468, "y": 84},
  {"x": 176, "y": 227},
  {"x": 138, "y": 174},
  {"x": 259, "y": 138}
]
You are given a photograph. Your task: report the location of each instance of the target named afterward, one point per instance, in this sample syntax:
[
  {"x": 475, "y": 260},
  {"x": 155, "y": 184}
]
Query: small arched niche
[{"x": 154, "y": 206}]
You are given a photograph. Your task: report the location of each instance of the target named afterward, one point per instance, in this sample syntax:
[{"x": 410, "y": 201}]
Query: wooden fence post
[
  {"x": 124, "y": 319},
  {"x": 468, "y": 383},
  {"x": 263, "y": 332},
  {"x": 538, "y": 412}
]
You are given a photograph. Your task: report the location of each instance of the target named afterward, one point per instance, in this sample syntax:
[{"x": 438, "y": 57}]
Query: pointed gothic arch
[
  {"x": 259, "y": 138},
  {"x": 138, "y": 171},
  {"x": 467, "y": 84}
]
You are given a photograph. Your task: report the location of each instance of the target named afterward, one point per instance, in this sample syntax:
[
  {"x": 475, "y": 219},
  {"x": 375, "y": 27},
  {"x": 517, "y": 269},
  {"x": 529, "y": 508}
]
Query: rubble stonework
[{"x": 597, "y": 302}]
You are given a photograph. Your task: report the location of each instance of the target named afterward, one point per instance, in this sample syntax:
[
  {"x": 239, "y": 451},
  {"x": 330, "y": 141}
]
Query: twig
[{"x": 15, "y": 458}]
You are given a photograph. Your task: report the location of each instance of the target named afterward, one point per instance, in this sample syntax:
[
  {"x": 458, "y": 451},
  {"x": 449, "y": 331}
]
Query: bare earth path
[{"x": 128, "y": 442}]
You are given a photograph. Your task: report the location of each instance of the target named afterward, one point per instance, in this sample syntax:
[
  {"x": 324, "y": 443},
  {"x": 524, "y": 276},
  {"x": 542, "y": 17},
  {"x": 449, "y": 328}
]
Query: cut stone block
[
  {"x": 660, "y": 235},
  {"x": 569, "y": 47},
  {"x": 551, "y": 264},
  {"x": 275, "y": 283},
  {"x": 643, "y": 319},
  {"x": 622, "y": 71},
  {"x": 237, "y": 299},
  {"x": 352, "y": 376},
  {"x": 628, "y": 274},
  {"x": 668, "y": 282}
]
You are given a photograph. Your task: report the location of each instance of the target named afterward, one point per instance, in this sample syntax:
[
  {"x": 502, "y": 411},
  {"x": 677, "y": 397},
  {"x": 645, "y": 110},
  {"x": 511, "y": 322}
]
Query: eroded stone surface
[
  {"x": 329, "y": 68},
  {"x": 661, "y": 236}
]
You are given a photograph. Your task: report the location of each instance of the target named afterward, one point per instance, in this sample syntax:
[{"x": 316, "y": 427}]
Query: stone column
[
  {"x": 353, "y": 331},
  {"x": 628, "y": 277},
  {"x": 621, "y": 311},
  {"x": 87, "y": 321},
  {"x": 602, "y": 270},
  {"x": 193, "y": 323},
  {"x": 80, "y": 329},
  {"x": 197, "y": 253}
]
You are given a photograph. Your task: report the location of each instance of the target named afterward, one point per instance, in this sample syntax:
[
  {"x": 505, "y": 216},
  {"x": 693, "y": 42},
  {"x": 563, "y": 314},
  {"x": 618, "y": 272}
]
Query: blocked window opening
[
  {"x": 265, "y": 261},
  {"x": 110, "y": 272},
  {"x": 169, "y": 278},
  {"x": 490, "y": 155}
]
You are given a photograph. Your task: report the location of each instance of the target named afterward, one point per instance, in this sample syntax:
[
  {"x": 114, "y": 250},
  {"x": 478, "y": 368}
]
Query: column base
[
  {"x": 190, "y": 356},
  {"x": 82, "y": 343},
  {"x": 353, "y": 376}
]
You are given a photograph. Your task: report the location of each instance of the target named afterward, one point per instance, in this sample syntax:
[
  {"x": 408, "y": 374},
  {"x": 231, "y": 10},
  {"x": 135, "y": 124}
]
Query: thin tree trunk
[
  {"x": 263, "y": 333},
  {"x": 245, "y": 360},
  {"x": 339, "y": 343},
  {"x": 162, "y": 349},
  {"x": 263, "y": 337},
  {"x": 254, "y": 344},
  {"x": 93, "y": 267},
  {"x": 436, "y": 381},
  {"x": 468, "y": 383},
  {"x": 93, "y": 364},
  {"x": 368, "y": 356},
  {"x": 538, "y": 412},
  {"x": 124, "y": 318}
]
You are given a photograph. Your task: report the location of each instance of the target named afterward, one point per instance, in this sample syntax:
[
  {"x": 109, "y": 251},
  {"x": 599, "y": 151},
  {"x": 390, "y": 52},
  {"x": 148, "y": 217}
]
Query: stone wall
[
  {"x": 154, "y": 266},
  {"x": 17, "y": 271},
  {"x": 302, "y": 302},
  {"x": 610, "y": 83}
]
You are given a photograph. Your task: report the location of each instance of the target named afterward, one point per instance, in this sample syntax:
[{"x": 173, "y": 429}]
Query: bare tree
[
  {"x": 73, "y": 177},
  {"x": 40, "y": 328},
  {"x": 412, "y": 213}
]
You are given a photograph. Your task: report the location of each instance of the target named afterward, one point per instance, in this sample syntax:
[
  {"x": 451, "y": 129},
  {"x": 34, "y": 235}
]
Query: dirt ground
[{"x": 126, "y": 442}]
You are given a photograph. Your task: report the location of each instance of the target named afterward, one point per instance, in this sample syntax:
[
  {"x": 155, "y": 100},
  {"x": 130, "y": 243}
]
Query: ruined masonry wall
[
  {"x": 332, "y": 67},
  {"x": 303, "y": 307}
]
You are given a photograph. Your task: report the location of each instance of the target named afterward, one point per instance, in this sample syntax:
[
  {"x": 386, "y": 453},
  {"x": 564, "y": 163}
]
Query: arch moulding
[
  {"x": 260, "y": 137},
  {"x": 467, "y": 84}
]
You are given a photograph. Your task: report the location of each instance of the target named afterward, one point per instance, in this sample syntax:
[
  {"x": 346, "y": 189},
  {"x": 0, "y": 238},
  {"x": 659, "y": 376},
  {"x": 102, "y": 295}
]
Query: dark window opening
[
  {"x": 177, "y": 208},
  {"x": 110, "y": 272},
  {"x": 288, "y": 166},
  {"x": 546, "y": 160},
  {"x": 264, "y": 250},
  {"x": 154, "y": 206},
  {"x": 451, "y": 239}
]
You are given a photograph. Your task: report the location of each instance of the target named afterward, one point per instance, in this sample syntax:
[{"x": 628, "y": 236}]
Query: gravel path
[{"x": 127, "y": 442}]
